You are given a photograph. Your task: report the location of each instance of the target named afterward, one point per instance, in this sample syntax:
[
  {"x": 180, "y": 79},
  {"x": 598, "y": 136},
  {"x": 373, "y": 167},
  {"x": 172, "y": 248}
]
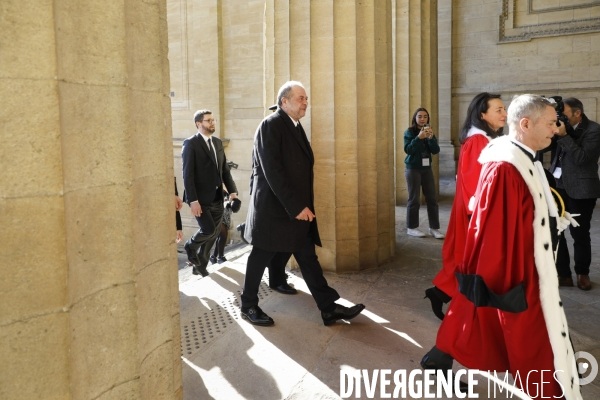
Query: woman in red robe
[{"x": 486, "y": 117}]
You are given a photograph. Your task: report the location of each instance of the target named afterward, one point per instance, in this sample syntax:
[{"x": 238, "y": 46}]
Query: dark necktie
[{"x": 211, "y": 151}]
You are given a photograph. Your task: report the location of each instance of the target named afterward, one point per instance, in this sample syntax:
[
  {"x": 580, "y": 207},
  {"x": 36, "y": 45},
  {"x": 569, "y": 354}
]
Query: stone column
[
  {"x": 448, "y": 146},
  {"x": 416, "y": 76},
  {"x": 348, "y": 75},
  {"x": 89, "y": 299}
]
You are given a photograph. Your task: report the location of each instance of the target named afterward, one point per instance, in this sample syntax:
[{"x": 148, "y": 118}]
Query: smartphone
[{"x": 426, "y": 126}]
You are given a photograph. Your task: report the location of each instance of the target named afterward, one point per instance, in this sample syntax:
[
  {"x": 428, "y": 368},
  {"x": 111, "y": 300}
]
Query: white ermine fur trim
[
  {"x": 502, "y": 150},
  {"x": 476, "y": 131}
]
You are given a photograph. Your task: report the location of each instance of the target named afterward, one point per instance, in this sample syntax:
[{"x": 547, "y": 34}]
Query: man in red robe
[{"x": 506, "y": 314}]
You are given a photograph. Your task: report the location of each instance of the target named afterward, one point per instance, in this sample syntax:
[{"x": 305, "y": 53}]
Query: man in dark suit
[
  {"x": 575, "y": 167},
  {"x": 277, "y": 275},
  {"x": 281, "y": 215},
  {"x": 205, "y": 170}
]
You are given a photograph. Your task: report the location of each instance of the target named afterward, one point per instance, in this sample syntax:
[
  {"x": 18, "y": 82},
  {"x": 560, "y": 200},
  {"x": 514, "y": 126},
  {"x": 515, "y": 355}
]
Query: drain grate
[{"x": 208, "y": 326}]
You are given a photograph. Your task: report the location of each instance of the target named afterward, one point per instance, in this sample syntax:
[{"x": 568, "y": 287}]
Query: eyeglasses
[{"x": 210, "y": 121}]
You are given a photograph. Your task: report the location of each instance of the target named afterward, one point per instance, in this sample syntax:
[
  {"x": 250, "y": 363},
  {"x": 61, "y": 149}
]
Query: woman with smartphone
[
  {"x": 419, "y": 144},
  {"x": 485, "y": 121}
]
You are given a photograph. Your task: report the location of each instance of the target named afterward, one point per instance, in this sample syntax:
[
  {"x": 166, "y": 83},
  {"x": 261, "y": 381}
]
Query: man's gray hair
[
  {"x": 285, "y": 89},
  {"x": 529, "y": 106}
]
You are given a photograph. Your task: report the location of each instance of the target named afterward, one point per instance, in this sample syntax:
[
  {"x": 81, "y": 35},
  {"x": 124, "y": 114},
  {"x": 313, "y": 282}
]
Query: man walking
[
  {"x": 281, "y": 215},
  {"x": 575, "y": 167},
  {"x": 205, "y": 170}
]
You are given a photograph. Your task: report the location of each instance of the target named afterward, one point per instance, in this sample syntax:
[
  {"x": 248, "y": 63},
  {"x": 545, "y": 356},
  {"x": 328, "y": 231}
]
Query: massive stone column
[
  {"x": 449, "y": 147},
  {"x": 341, "y": 51},
  {"x": 89, "y": 300},
  {"x": 416, "y": 76}
]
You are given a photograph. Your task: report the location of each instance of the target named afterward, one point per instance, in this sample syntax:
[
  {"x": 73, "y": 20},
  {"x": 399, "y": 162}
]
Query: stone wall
[
  {"x": 523, "y": 46},
  {"x": 88, "y": 297}
]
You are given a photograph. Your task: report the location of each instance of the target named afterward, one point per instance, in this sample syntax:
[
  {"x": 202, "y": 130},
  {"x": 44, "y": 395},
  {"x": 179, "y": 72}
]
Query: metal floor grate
[{"x": 211, "y": 324}]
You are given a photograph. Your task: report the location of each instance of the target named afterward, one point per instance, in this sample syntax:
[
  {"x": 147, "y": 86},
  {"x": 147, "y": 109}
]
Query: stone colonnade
[
  {"x": 366, "y": 67},
  {"x": 89, "y": 305}
]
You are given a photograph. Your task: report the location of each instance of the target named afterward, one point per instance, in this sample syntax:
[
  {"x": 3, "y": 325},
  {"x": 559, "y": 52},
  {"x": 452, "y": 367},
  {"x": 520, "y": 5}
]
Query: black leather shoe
[
  {"x": 285, "y": 289},
  {"x": 213, "y": 259},
  {"x": 443, "y": 358},
  {"x": 191, "y": 255},
  {"x": 437, "y": 360},
  {"x": 437, "y": 299},
  {"x": 221, "y": 260},
  {"x": 199, "y": 270},
  {"x": 341, "y": 312},
  {"x": 256, "y": 316}
]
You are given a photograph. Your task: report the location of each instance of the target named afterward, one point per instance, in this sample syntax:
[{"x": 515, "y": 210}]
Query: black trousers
[
  {"x": 220, "y": 242},
  {"x": 582, "y": 243},
  {"x": 415, "y": 180},
  {"x": 277, "y": 269},
  {"x": 312, "y": 273},
  {"x": 210, "y": 227}
]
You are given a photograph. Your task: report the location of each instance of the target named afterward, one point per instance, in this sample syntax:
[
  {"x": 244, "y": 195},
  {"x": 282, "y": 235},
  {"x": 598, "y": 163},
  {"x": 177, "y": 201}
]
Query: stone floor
[{"x": 224, "y": 357}]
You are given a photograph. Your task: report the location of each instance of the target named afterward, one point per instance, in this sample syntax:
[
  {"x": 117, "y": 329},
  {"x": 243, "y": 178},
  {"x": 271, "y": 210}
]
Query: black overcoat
[
  {"x": 281, "y": 187},
  {"x": 579, "y": 160}
]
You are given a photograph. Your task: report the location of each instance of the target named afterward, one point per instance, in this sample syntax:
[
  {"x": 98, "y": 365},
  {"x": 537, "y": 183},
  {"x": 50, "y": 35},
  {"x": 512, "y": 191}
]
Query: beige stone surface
[
  {"x": 103, "y": 341},
  {"x": 27, "y": 107},
  {"x": 34, "y": 272},
  {"x": 38, "y": 347},
  {"x": 99, "y": 56},
  {"x": 94, "y": 266},
  {"x": 127, "y": 390},
  {"x": 154, "y": 246},
  {"x": 154, "y": 309},
  {"x": 89, "y": 303},
  {"x": 89, "y": 122},
  {"x": 156, "y": 372}
]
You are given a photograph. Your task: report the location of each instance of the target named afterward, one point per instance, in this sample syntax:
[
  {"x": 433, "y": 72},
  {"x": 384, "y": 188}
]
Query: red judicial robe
[
  {"x": 467, "y": 177},
  {"x": 506, "y": 314}
]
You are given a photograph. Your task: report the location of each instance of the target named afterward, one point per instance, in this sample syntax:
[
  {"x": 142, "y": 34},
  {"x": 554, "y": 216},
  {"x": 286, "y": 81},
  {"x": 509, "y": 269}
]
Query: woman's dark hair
[
  {"x": 479, "y": 105},
  {"x": 413, "y": 123}
]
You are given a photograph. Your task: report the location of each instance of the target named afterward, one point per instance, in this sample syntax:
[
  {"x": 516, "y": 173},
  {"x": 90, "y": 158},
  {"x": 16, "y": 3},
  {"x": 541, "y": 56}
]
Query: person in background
[
  {"x": 485, "y": 120},
  {"x": 419, "y": 144},
  {"x": 205, "y": 173},
  {"x": 178, "y": 224},
  {"x": 576, "y": 149}
]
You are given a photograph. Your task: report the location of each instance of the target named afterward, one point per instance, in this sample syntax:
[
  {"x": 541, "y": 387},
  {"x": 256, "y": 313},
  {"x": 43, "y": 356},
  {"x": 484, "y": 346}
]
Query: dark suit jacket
[
  {"x": 281, "y": 186},
  {"x": 580, "y": 160},
  {"x": 201, "y": 178}
]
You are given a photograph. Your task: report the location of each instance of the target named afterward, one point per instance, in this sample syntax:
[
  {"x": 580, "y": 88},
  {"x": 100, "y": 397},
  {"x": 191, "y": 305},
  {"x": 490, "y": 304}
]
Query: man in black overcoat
[
  {"x": 281, "y": 217},
  {"x": 576, "y": 149},
  {"x": 205, "y": 170}
]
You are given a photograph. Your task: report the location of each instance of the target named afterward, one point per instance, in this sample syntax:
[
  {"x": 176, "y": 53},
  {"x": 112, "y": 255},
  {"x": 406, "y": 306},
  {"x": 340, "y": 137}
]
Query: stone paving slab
[{"x": 300, "y": 358}]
